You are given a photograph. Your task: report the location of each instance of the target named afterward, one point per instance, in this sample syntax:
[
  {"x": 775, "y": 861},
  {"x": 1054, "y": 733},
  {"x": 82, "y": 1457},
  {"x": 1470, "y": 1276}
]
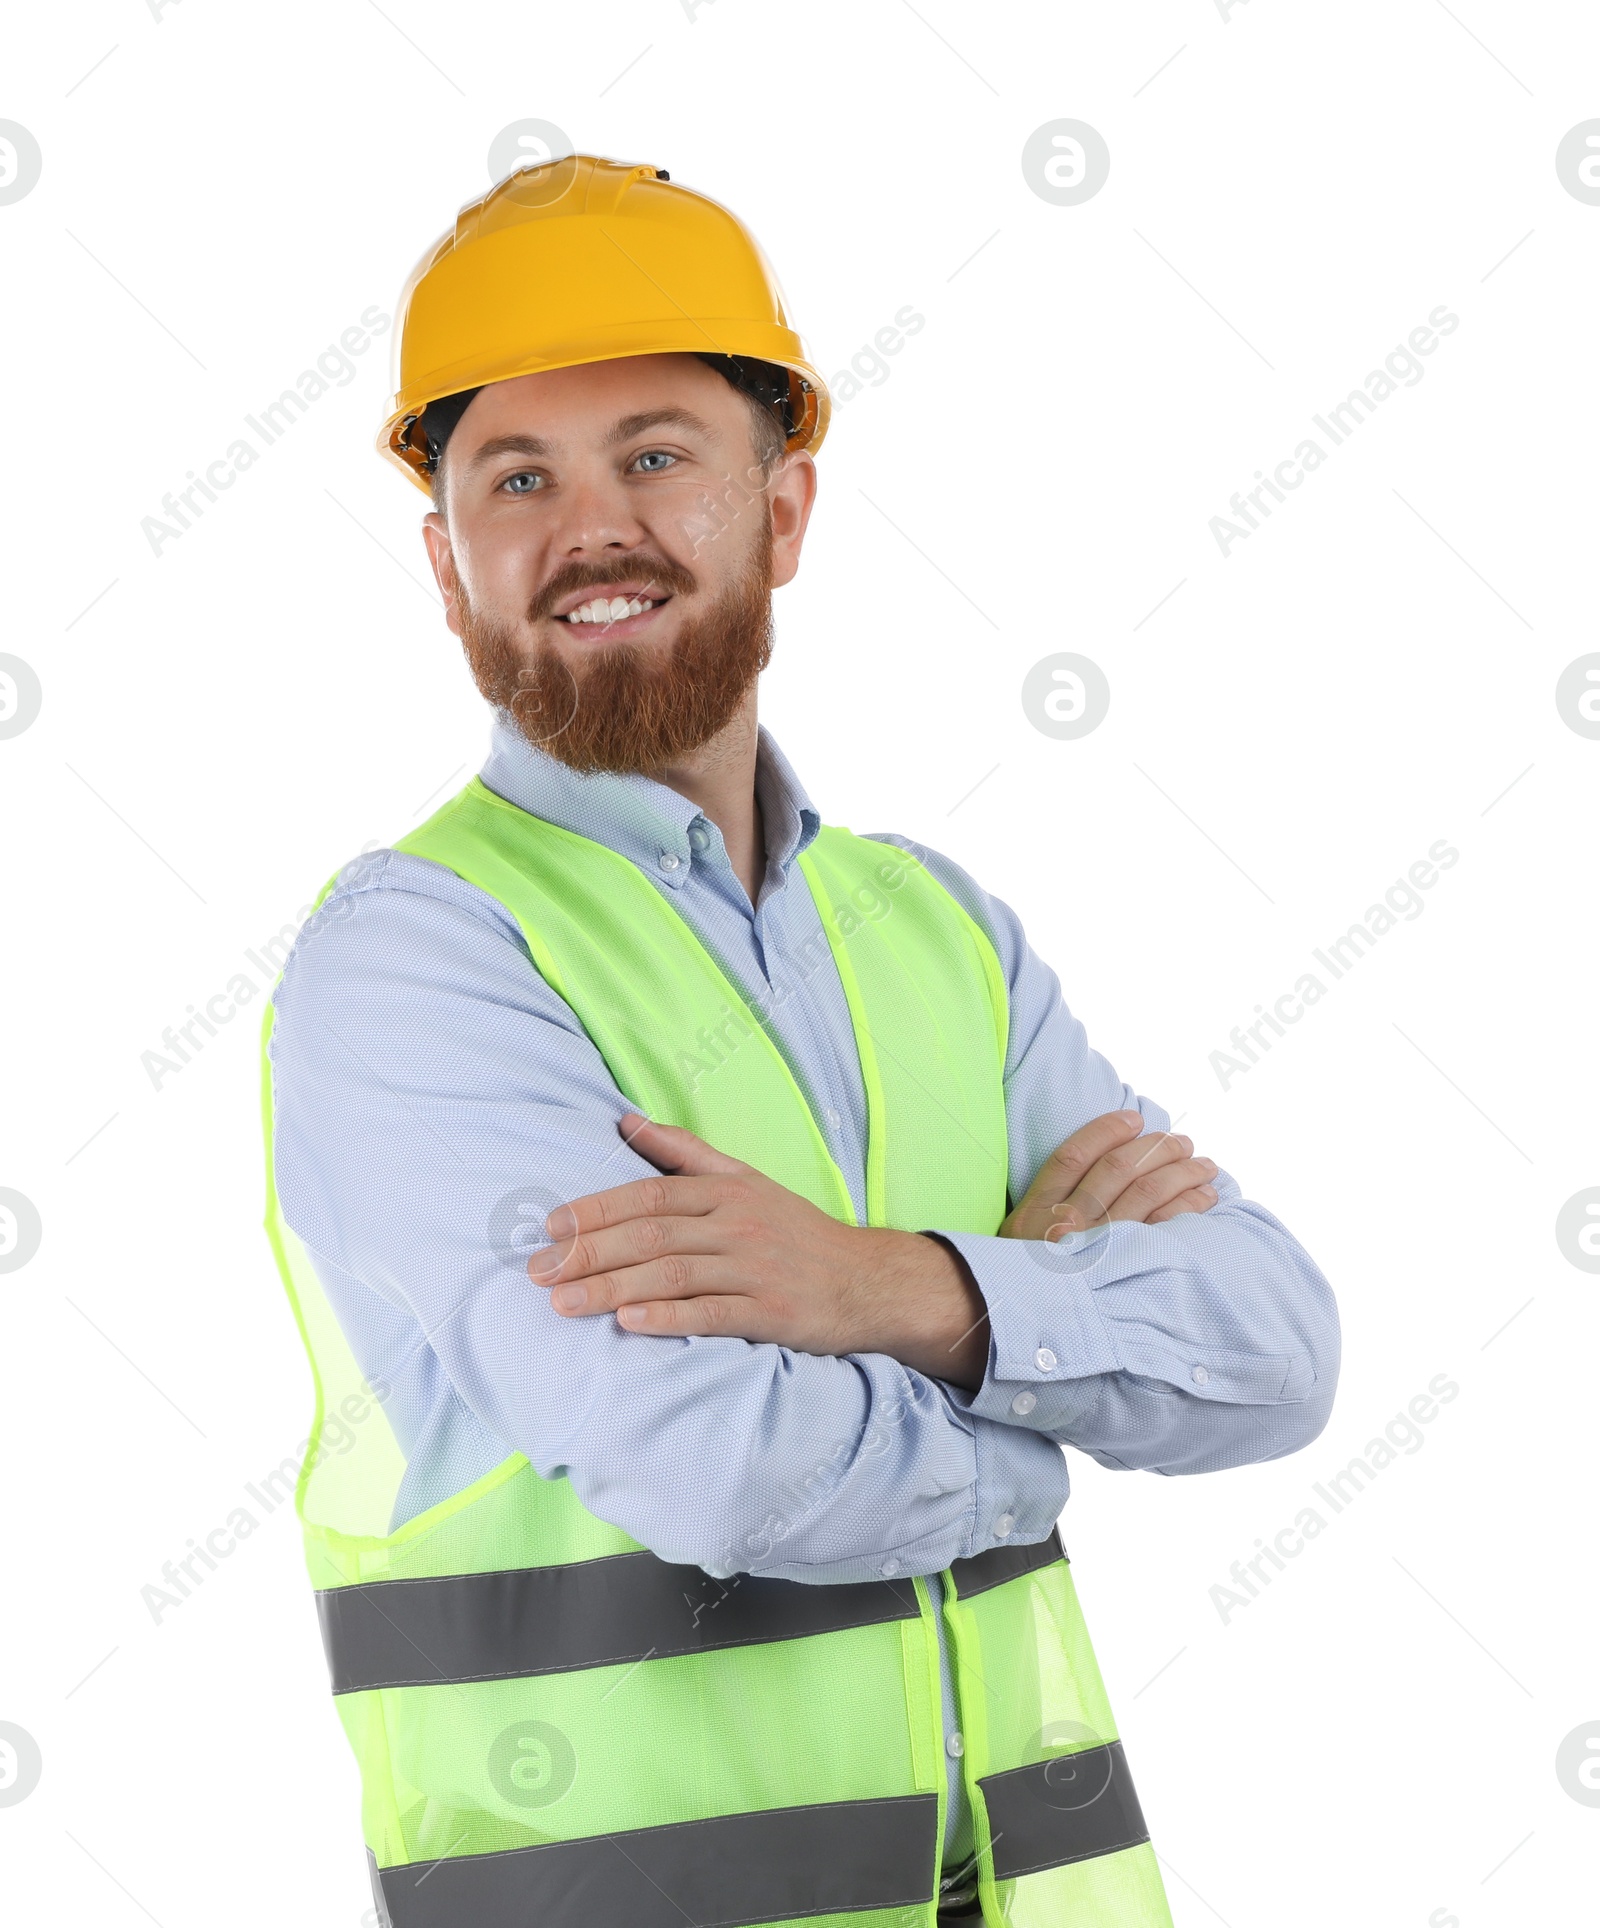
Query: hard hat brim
[{"x": 812, "y": 405}]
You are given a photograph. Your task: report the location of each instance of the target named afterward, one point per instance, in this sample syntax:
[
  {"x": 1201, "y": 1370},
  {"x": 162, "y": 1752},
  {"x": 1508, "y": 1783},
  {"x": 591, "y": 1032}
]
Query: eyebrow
[{"x": 623, "y": 430}]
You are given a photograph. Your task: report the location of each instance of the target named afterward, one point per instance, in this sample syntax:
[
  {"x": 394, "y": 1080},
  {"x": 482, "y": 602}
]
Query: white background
[{"x": 1372, "y": 1739}]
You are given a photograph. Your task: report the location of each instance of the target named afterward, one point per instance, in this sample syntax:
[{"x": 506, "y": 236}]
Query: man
[{"x": 702, "y": 1565}]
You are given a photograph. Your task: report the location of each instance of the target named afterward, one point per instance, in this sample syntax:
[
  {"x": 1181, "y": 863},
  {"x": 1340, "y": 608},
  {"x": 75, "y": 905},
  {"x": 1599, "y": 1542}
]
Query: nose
[{"x": 598, "y": 521}]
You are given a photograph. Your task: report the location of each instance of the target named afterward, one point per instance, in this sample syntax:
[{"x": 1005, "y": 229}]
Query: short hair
[
  {"x": 768, "y": 436},
  {"x": 764, "y": 386}
]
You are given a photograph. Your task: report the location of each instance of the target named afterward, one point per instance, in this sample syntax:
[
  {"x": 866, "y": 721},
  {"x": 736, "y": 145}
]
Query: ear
[
  {"x": 791, "y": 493},
  {"x": 436, "y": 537}
]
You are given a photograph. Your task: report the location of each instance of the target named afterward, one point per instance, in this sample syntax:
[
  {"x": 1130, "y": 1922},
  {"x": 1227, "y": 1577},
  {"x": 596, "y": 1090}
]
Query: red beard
[{"x": 623, "y": 710}]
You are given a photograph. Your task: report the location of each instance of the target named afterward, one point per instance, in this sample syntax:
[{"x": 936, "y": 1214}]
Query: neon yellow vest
[{"x": 554, "y": 1726}]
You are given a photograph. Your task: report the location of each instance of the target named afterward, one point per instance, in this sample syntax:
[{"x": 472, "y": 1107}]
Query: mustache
[{"x": 655, "y": 571}]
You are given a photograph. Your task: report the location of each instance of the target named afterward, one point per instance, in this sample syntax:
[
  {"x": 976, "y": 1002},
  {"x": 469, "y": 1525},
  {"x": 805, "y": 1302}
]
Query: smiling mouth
[{"x": 610, "y": 612}]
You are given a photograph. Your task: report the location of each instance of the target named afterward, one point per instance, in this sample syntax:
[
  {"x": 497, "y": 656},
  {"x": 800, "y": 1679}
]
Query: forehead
[{"x": 577, "y": 407}]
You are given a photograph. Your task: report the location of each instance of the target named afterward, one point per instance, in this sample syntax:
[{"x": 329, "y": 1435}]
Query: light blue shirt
[{"x": 424, "y": 1073}]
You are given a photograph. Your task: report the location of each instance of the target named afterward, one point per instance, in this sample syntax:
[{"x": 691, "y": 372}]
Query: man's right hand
[{"x": 1107, "y": 1170}]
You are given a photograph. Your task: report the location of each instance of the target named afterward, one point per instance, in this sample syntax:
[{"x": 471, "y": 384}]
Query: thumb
[{"x": 674, "y": 1148}]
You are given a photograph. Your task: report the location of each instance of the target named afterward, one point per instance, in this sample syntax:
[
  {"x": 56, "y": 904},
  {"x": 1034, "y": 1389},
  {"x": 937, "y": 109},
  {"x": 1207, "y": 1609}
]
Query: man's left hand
[{"x": 712, "y": 1247}]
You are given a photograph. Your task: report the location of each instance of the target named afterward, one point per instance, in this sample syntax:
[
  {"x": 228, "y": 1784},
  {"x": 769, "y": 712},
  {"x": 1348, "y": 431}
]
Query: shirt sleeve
[
  {"x": 1210, "y": 1340},
  {"x": 430, "y": 1090}
]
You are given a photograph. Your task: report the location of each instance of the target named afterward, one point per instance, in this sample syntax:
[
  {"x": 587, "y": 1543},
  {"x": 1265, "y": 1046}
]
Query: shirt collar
[{"x": 635, "y": 815}]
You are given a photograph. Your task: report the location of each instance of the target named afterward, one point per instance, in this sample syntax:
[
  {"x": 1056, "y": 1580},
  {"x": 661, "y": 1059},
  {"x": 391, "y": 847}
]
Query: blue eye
[
  {"x": 662, "y": 455},
  {"x": 512, "y": 483}
]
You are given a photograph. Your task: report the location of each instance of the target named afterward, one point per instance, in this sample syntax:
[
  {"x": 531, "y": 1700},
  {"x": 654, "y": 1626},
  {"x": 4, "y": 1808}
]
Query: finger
[
  {"x": 721, "y": 1315},
  {"x": 1157, "y": 1186},
  {"x": 674, "y": 1147},
  {"x": 656, "y": 1196},
  {"x": 1061, "y": 1173},
  {"x": 1111, "y": 1175},
  {"x": 675, "y": 1276},
  {"x": 627, "y": 1242},
  {"x": 1161, "y": 1185},
  {"x": 1134, "y": 1177},
  {"x": 1199, "y": 1198}
]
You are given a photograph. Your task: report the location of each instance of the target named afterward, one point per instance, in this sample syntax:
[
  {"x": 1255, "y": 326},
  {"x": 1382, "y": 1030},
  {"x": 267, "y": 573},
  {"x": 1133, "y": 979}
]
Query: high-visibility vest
[{"x": 556, "y": 1727}]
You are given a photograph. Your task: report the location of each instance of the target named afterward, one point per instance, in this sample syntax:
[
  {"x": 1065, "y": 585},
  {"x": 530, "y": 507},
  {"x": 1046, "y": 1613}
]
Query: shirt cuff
[
  {"x": 1045, "y": 1327},
  {"x": 1021, "y": 1489},
  {"x": 1050, "y": 1344}
]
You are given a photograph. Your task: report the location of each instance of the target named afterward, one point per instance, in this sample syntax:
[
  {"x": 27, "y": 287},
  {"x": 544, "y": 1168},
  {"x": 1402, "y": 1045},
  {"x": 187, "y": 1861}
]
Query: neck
[{"x": 719, "y": 778}]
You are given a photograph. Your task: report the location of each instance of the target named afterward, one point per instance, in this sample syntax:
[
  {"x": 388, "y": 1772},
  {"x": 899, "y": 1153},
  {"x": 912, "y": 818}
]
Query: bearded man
[{"x": 709, "y": 1224}]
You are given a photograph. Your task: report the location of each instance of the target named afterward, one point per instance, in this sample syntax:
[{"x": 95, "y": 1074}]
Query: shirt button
[
  {"x": 699, "y": 837},
  {"x": 1045, "y": 1359},
  {"x": 955, "y": 1746},
  {"x": 670, "y": 860},
  {"x": 832, "y": 1117},
  {"x": 891, "y": 1567},
  {"x": 1024, "y": 1402},
  {"x": 1004, "y": 1524},
  {"x": 1199, "y": 1375}
]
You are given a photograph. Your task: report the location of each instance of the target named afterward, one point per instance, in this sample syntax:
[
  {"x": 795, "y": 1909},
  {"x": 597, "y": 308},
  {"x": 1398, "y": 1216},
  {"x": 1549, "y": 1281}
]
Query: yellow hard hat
[{"x": 585, "y": 260}]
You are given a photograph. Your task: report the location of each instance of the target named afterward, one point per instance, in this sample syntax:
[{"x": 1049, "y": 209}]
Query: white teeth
[{"x": 612, "y": 610}]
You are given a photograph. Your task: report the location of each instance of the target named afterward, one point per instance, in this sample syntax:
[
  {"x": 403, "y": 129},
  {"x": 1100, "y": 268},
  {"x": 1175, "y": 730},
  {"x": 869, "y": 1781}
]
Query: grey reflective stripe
[
  {"x": 1067, "y": 1809},
  {"x": 782, "y": 1864},
  {"x": 1002, "y": 1563},
  {"x": 380, "y": 1906},
  {"x": 556, "y": 1619}
]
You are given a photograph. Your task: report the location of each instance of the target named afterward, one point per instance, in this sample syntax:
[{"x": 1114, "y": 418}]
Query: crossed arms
[
  {"x": 720, "y": 1250},
  {"x": 424, "y": 1072}
]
